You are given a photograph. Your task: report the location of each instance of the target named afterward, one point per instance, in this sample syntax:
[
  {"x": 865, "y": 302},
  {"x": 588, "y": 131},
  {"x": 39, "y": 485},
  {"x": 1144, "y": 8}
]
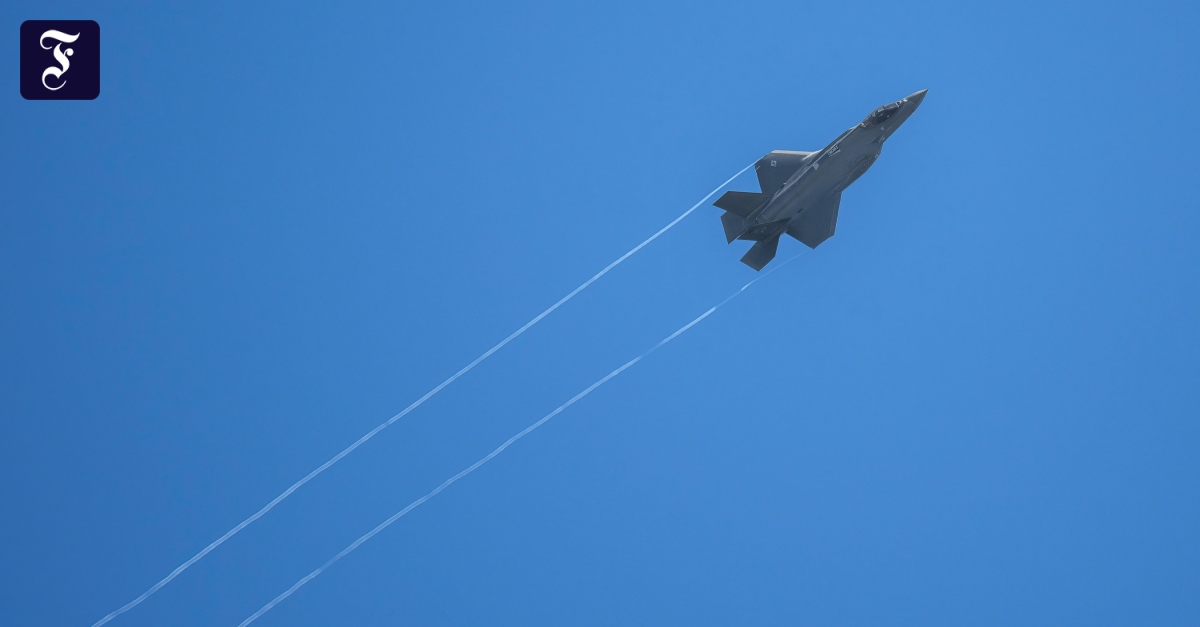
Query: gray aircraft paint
[{"x": 801, "y": 191}]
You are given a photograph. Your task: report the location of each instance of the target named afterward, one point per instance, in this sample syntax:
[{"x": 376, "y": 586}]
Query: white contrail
[
  {"x": 417, "y": 403},
  {"x": 500, "y": 449}
]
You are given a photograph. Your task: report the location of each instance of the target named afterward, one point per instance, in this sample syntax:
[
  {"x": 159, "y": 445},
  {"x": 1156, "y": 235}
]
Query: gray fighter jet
[{"x": 801, "y": 191}]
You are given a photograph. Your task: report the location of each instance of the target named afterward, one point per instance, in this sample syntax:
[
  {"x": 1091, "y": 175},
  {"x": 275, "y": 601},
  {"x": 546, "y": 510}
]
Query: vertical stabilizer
[{"x": 734, "y": 225}]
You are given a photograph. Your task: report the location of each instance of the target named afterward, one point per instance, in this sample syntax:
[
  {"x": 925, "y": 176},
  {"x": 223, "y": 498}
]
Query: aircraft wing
[
  {"x": 816, "y": 223},
  {"x": 777, "y": 167}
]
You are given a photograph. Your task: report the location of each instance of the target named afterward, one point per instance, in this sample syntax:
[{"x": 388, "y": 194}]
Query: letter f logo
[
  {"x": 60, "y": 60},
  {"x": 59, "y": 55}
]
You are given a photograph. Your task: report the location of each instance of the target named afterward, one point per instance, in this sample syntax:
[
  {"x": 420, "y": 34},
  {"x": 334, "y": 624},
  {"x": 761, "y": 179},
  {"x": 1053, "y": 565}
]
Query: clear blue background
[{"x": 277, "y": 226}]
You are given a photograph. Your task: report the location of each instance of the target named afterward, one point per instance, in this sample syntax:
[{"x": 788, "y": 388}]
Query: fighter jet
[{"x": 801, "y": 191}]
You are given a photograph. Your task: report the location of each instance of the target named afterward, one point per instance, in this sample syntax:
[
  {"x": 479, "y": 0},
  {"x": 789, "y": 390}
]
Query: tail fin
[
  {"x": 742, "y": 203},
  {"x": 734, "y": 225},
  {"x": 761, "y": 253}
]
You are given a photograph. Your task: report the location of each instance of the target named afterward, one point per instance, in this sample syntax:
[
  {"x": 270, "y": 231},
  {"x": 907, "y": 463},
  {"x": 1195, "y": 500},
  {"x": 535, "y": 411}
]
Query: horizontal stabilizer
[
  {"x": 742, "y": 203},
  {"x": 761, "y": 253},
  {"x": 734, "y": 225}
]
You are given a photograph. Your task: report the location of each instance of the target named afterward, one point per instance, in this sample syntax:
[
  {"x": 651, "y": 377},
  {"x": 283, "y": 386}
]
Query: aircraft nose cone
[{"x": 916, "y": 98}]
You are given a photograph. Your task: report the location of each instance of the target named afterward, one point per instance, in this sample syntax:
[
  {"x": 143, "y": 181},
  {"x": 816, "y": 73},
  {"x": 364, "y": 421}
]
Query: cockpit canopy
[{"x": 881, "y": 114}]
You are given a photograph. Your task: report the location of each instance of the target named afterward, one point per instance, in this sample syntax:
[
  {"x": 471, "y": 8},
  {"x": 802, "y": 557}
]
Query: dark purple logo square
[{"x": 60, "y": 60}]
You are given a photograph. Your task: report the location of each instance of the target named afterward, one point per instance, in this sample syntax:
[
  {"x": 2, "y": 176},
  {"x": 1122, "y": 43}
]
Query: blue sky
[{"x": 278, "y": 226}]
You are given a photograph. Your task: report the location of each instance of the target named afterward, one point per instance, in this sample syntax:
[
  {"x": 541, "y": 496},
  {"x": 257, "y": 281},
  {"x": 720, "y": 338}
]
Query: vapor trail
[
  {"x": 500, "y": 449},
  {"x": 417, "y": 403}
]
